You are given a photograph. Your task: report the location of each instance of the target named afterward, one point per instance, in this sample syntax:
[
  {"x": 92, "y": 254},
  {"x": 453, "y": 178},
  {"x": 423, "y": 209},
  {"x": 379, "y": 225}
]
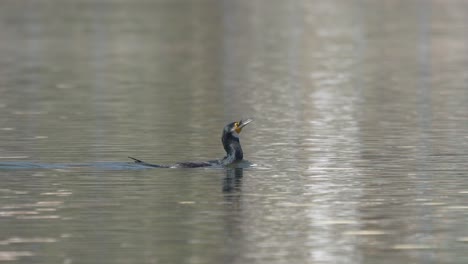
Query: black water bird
[{"x": 231, "y": 144}]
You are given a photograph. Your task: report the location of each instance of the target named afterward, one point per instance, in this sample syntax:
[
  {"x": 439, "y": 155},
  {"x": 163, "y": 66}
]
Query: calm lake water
[{"x": 358, "y": 151}]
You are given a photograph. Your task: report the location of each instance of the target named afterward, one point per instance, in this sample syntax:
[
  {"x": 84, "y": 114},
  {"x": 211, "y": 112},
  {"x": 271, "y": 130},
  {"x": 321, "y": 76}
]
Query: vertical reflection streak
[
  {"x": 99, "y": 65},
  {"x": 335, "y": 143},
  {"x": 34, "y": 50},
  {"x": 425, "y": 121}
]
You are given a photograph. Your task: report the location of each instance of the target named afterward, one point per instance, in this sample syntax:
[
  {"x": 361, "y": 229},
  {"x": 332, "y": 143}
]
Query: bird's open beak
[{"x": 241, "y": 124}]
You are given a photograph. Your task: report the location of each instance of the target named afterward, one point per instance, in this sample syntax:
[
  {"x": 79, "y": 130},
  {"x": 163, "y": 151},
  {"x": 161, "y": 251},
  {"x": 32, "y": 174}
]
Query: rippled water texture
[{"x": 358, "y": 151}]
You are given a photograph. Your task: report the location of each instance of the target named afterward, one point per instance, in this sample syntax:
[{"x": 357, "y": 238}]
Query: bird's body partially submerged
[{"x": 231, "y": 144}]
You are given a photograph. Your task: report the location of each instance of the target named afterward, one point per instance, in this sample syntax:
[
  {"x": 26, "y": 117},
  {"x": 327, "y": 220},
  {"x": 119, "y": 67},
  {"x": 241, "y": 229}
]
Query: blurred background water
[{"x": 359, "y": 145}]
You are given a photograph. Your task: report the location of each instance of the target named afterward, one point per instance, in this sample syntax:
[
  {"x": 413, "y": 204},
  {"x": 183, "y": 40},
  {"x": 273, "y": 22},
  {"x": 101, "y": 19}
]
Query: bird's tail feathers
[{"x": 137, "y": 161}]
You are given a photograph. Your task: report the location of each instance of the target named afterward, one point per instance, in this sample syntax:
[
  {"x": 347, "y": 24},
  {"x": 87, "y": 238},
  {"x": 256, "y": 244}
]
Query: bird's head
[
  {"x": 230, "y": 139},
  {"x": 235, "y": 128}
]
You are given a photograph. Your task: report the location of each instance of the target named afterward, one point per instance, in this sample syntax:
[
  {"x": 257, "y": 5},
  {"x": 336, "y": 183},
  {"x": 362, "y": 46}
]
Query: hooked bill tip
[{"x": 243, "y": 123}]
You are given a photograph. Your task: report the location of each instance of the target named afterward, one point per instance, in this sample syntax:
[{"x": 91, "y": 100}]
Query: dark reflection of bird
[
  {"x": 233, "y": 181},
  {"x": 231, "y": 144}
]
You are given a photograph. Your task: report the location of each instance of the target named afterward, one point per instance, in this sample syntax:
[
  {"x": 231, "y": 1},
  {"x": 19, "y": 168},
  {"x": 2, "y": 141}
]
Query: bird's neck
[{"x": 233, "y": 152}]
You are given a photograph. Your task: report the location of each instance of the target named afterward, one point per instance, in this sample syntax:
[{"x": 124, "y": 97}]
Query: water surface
[{"x": 358, "y": 151}]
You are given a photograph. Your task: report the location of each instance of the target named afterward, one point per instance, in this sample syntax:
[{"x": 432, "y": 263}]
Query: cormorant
[{"x": 231, "y": 144}]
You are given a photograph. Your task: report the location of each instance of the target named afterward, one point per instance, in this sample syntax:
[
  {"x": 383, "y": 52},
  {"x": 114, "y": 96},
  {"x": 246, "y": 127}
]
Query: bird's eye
[{"x": 236, "y": 124}]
